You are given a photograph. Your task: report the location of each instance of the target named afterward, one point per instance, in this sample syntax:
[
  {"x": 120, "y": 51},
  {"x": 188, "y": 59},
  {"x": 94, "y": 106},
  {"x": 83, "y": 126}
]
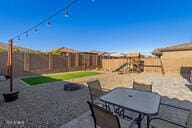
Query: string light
[
  {"x": 48, "y": 24},
  {"x": 66, "y": 12},
  {"x": 27, "y": 35},
  {"x": 47, "y": 20},
  {"x": 35, "y": 29}
]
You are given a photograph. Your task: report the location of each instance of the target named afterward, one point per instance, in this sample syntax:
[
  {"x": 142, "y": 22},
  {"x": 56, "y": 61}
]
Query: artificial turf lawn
[{"x": 57, "y": 77}]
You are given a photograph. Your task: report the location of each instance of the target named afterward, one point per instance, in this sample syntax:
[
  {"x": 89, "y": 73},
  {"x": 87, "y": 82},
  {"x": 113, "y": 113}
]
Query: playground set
[{"x": 132, "y": 63}]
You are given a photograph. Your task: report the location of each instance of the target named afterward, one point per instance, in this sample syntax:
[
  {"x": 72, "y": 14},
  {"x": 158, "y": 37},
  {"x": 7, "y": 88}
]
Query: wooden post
[
  {"x": 11, "y": 64},
  {"x": 8, "y": 63},
  {"x": 51, "y": 62},
  {"x": 77, "y": 59},
  {"x": 26, "y": 61},
  {"x": 69, "y": 62},
  {"x": 162, "y": 68}
]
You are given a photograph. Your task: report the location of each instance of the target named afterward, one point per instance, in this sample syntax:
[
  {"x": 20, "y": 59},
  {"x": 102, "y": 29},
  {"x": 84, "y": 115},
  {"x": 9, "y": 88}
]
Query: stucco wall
[
  {"x": 177, "y": 54},
  {"x": 177, "y": 61}
]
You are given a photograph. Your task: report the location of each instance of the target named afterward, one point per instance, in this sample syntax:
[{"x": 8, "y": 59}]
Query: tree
[
  {"x": 28, "y": 51},
  {"x": 56, "y": 52},
  {"x": 1, "y": 49},
  {"x": 16, "y": 50},
  {"x": 39, "y": 52}
]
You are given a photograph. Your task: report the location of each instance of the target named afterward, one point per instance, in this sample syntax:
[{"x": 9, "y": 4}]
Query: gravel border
[{"x": 43, "y": 106}]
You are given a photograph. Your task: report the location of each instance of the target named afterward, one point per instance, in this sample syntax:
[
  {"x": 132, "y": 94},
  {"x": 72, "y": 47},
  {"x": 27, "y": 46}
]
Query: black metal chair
[
  {"x": 106, "y": 119},
  {"x": 159, "y": 122}
]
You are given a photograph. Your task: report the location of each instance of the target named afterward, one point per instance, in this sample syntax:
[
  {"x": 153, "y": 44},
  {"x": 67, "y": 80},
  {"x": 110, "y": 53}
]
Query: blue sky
[{"x": 105, "y": 25}]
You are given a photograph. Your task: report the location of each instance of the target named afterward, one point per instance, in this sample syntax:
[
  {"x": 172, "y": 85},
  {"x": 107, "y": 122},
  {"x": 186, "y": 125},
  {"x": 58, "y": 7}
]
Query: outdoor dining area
[{"x": 124, "y": 107}]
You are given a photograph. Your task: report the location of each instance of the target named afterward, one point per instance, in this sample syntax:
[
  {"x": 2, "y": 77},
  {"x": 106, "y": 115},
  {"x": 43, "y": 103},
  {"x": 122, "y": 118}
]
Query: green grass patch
[{"x": 57, "y": 77}]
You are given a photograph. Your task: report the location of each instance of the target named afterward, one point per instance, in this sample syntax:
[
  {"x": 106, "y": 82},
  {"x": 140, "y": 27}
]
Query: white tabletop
[{"x": 139, "y": 101}]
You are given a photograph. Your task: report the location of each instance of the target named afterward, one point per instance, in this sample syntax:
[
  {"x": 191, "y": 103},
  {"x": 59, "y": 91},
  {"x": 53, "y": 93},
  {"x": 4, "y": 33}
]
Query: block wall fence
[
  {"x": 36, "y": 64},
  {"x": 171, "y": 64}
]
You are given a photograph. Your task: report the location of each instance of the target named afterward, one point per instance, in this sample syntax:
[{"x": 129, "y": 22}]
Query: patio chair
[
  {"x": 142, "y": 86},
  {"x": 95, "y": 89},
  {"x": 106, "y": 119},
  {"x": 159, "y": 122}
]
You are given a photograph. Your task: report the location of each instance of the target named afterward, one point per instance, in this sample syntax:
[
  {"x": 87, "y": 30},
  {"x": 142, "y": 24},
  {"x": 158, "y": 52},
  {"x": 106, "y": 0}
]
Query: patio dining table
[{"x": 144, "y": 103}]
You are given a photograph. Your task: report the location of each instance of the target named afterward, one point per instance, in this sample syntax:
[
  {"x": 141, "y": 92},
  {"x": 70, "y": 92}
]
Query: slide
[{"x": 123, "y": 65}]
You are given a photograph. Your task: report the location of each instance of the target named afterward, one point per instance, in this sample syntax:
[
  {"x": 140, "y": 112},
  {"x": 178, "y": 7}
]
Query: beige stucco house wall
[{"x": 177, "y": 61}]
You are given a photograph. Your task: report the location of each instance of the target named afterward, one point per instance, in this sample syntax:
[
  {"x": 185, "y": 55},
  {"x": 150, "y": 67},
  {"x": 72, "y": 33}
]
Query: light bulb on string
[
  {"x": 47, "y": 20},
  {"x": 48, "y": 24},
  {"x": 27, "y": 35},
  {"x": 66, "y": 12},
  {"x": 35, "y": 29}
]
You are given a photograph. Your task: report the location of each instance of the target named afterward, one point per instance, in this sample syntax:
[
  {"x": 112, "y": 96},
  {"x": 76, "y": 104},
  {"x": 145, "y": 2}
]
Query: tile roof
[
  {"x": 179, "y": 47},
  {"x": 64, "y": 50},
  {"x": 97, "y": 52}
]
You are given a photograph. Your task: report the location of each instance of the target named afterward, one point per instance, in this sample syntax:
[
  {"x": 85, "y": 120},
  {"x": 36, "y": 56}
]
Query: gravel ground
[
  {"x": 110, "y": 80},
  {"x": 43, "y": 106},
  {"x": 49, "y": 106}
]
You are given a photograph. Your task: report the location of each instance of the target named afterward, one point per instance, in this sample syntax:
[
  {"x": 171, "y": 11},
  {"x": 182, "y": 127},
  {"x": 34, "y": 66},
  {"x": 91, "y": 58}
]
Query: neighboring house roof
[
  {"x": 114, "y": 54},
  {"x": 64, "y": 50},
  {"x": 97, "y": 52},
  {"x": 157, "y": 52},
  {"x": 179, "y": 47},
  {"x": 89, "y": 53},
  {"x": 117, "y": 54},
  {"x": 106, "y": 54},
  {"x": 5, "y": 46}
]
